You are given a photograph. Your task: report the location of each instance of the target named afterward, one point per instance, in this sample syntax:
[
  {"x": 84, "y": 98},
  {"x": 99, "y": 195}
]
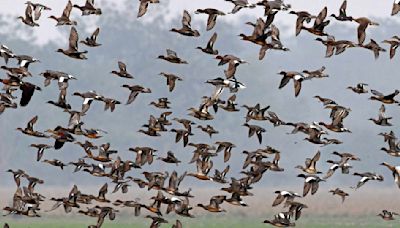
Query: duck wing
[
  {"x": 143, "y": 7},
  {"x": 73, "y": 39},
  {"x": 212, "y": 40},
  {"x": 67, "y": 10},
  {"x": 186, "y": 19}
]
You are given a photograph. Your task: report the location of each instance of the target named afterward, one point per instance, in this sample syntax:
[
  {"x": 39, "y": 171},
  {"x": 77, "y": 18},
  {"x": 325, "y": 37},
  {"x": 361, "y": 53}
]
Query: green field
[{"x": 206, "y": 222}]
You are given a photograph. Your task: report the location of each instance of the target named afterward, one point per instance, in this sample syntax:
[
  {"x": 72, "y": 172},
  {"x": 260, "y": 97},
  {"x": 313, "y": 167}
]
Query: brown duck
[
  {"x": 88, "y": 8},
  {"x": 91, "y": 41},
  {"x": 386, "y": 99},
  {"x": 186, "y": 29},
  {"x": 172, "y": 57},
  {"x": 212, "y": 16},
  {"x": 123, "y": 73},
  {"x": 28, "y": 19},
  {"x": 64, "y": 19},
  {"x": 171, "y": 80},
  {"x": 209, "y": 49},
  {"x": 72, "y": 50},
  {"x": 135, "y": 90},
  {"x": 363, "y": 23},
  {"x": 28, "y": 130},
  {"x": 340, "y": 193}
]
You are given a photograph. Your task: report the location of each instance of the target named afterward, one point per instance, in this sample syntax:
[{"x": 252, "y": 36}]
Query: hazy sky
[
  {"x": 137, "y": 45},
  {"x": 47, "y": 31}
]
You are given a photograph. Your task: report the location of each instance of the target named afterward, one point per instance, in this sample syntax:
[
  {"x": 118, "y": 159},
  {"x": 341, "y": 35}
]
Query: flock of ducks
[{"x": 106, "y": 163}]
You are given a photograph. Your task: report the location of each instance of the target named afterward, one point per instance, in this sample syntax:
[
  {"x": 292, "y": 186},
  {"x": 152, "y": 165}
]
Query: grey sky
[{"x": 47, "y": 31}]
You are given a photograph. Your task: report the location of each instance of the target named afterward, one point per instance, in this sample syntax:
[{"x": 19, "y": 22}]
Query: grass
[{"x": 203, "y": 222}]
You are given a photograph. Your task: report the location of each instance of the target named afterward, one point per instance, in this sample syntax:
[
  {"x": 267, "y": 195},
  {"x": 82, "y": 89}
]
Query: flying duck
[
  {"x": 275, "y": 44},
  {"x": 386, "y": 99},
  {"x": 208, "y": 129},
  {"x": 201, "y": 113},
  {"x": 342, "y": 164},
  {"x": 363, "y": 23},
  {"x": 161, "y": 103},
  {"x": 394, "y": 43},
  {"x": 387, "y": 215},
  {"x": 88, "y": 8},
  {"x": 6, "y": 53},
  {"x": 319, "y": 73},
  {"x": 227, "y": 147},
  {"x": 281, "y": 220},
  {"x": 17, "y": 175},
  {"x": 336, "y": 47},
  {"x": 92, "y": 40},
  {"x": 359, "y": 88},
  {"x": 170, "y": 158},
  {"x": 64, "y": 19},
  {"x": 186, "y": 123},
  {"x": 203, "y": 168},
  {"x": 60, "y": 76},
  {"x": 41, "y": 148},
  {"x": 311, "y": 182},
  {"x": 215, "y": 201},
  {"x": 374, "y": 47},
  {"x": 366, "y": 177},
  {"x": 240, "y": 4},
  {"x": 301, "y": 17},
  {"x": 186, "y": 29},
  {"x": 295, "y": 209},
  {"x": 62, "y": 100},
  {"x": 310, "y": 164},
  {"x": 319, "y": 24},
  {"x": 88, "y": 98},
  {"x": 25, "y": 60},
  {"x": 297, "y": 79},
  {"x": 182, "y": 134},
  {"x": 255, "y": 129},
  {"x": 274, "y": 119},
  {"x": 282, "y": 196},
  {"x": 209, "y": 49},
  {"x": 325, "y": 101},
  {"x": 28, "y": 20},
  {"x": 340, "y": 193},
  {"x": 212, "y": 16},
  {"x": 345, "y": 155},
  {"x": 109, "y": 103},
  {"x": 37, "y": 8},
  {"x": 342, "y": 13},
  {"x": 259, "y": 35},
  {"x": 61, "y": 135},
  {"x": 123, "y": 73},
  {"x": 28, "y": 130},
  {"x": 230, "y": 104},
  {"x": 135, "y": 90},
  {"x": 156, "y": 221},
  {"x": 171, "y": 80},
  {"x": 172, "y": 57},
  {"x": 382, "y": 119},
  {"x": 219, "y": 176},
  {"x": 56, "y": 162},
  {"x": 72, "y": 50},
  {"x": 17, "y": 71}
]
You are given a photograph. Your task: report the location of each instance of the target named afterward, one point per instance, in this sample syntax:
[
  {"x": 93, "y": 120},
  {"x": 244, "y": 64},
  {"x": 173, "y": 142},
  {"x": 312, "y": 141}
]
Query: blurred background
[{"x": 138, "y": 42}]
